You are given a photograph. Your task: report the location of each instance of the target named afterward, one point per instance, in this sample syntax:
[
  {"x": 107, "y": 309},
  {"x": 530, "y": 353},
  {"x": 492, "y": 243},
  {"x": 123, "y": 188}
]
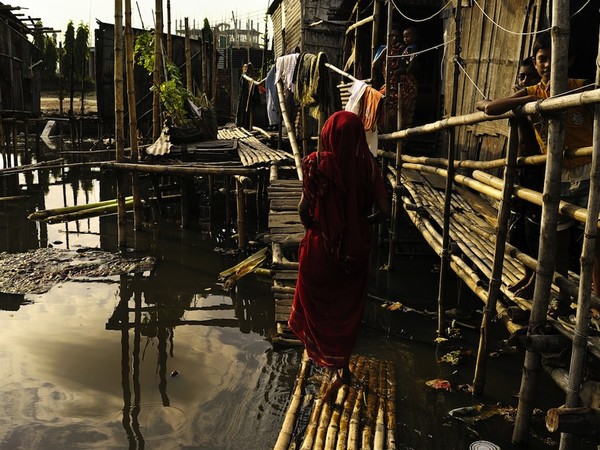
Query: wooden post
[
  {"x": 204, "y": 66},
  {"x": 322, "y": 118},
  {"x": 489, "y": 311},
  {"x": 582, "y": 421},
  {"x": 396, "y": 193},
  {"x": 188, "y": 57},
  {"x": 169, "y": 37},
  {"x": 61, "y": 94},
  {"x": 227, "y": 202},
  {"x": 241, "y": 213},
  {"x": 156, "y": 78},
  {"x": 390, "y": 16},
  {"x": 445, "y": 254},
  {"x": 131, "y": 107},
  {"x": 119, "y": 121},
  {"x": 290, "y": 129},
  {"x": 374, "y": 34},
  {"x": 356, "y": 43},
  {"x": 532, "y": 365},
  {"x": 578, "y": 356},
  {"x": 214, "y": 70}
]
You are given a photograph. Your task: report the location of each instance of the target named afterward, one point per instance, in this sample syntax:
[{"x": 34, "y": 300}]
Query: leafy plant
[{"x": 173, "y": 94}]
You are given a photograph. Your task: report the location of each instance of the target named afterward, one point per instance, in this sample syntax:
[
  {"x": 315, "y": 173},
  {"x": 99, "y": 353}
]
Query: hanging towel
[
  {"x": 356, "y": 93},
  {"x": 285, "y": 67}
]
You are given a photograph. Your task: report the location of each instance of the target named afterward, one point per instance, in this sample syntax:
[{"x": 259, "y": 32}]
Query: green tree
[
  {"x": 81, "y": 51},
  {"x": 68, "y": 57},
  {"x": 50, "y": 63},
  {"x": 207, "y": 35}
]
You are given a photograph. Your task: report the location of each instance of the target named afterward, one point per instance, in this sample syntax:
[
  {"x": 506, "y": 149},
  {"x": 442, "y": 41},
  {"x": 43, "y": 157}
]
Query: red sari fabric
[{"x": 340, "y": 184}]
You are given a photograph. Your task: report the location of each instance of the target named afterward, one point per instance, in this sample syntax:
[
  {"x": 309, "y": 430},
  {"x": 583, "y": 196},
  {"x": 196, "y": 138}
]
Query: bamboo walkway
[
  {"x": 472, "y": 230},
  {"x": 359, "y": 415}
]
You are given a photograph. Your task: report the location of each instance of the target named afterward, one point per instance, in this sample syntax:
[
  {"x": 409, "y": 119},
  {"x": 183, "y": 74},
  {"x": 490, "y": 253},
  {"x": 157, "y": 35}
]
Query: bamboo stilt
[
  {"x": 489, "y": 311},
  {"x": 156, "y": 77},
  {"x": 241, "y": 213},
  {"x": 287, "y": 429},
  {"x": 132, "y": 110},
  {"x": 188, "y": 58},
  {"x": 556, "y": 136},
  {"x": 119, "y": 120},
  {"x": 578, "y": 356}
]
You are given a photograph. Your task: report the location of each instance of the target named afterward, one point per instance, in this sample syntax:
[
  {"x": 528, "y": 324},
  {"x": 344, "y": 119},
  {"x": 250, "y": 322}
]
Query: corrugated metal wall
[
  {"x": 490, "y": 57},
  {"x": 325, "y": 37},
  {"x": 293, "y": 24},
  {"x": 276, "y": 20}
]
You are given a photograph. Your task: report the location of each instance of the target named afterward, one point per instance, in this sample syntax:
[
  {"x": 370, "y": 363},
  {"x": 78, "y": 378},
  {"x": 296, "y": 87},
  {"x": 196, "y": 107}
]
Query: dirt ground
[{"x": 50, "y": 103}]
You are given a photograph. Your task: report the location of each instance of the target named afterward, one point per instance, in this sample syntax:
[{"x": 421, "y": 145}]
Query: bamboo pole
[
  {"x": 90, "y": 212},
  {"x": 119, "y": 120},
  {"x": 43, "y": 214},
  {"x": 369, "y": 419},
  {"x": 489, "y": 312},
  {"x": 390, "y": 406},
  {"x": 204, "y": 67},
  {"x": 342, "y": 440},
  {"x": 214, "y": 70},
  {"x": 556, "y": 137},
  {"x": 188, "y": 58},
  {"x": 388, "y": 43},
  {"x": 169, "y": 37},
  {"x": 578, "y": 353},
  {"x": 285, "y": 435},
  {"x": 156, "y": 78},
  {"x": 132, "y": 109},
  {"x": 290, "y": 129},
  {"x": 395, "y": 192},
  {"x": 444, "y": 257},
  {"x": 313, "y": 421},
  {"x": 379, "y": 438},
  {"x": 375, "y": 33},
  {"x": 241, "y": 213}
]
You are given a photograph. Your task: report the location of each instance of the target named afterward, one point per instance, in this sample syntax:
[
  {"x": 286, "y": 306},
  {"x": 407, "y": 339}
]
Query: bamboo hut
[{"x": 20, "y": 69}]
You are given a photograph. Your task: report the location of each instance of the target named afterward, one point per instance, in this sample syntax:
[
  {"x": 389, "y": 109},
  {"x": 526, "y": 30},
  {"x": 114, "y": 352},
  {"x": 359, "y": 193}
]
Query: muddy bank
[{"x": 36, "y": 271}]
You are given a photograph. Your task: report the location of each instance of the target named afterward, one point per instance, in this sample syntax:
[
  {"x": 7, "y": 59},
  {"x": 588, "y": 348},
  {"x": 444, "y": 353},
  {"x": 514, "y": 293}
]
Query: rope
[
  {"x": 509, "y": 31},
  {"x": 420, "y": 20},
  {"x": 457, "y": 61},
  {"x": 408, "y": 55}
]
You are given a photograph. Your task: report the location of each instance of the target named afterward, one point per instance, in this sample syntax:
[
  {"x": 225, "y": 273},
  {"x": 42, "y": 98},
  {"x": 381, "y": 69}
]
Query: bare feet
[{"x": 341, "y": 377}]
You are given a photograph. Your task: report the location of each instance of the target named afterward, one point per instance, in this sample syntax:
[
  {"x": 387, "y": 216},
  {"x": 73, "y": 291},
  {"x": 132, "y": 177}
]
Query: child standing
[{"x": 575, "y": 175}]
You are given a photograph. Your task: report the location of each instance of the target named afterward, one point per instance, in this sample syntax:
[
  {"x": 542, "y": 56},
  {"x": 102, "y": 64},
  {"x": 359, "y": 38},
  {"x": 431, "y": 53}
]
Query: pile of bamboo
[
  {"x": 359, "y": 415},
  {"x": 250, "y": 150}
]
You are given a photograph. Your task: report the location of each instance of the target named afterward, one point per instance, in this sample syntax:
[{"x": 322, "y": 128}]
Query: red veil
[{"x": 340, "y": 184}]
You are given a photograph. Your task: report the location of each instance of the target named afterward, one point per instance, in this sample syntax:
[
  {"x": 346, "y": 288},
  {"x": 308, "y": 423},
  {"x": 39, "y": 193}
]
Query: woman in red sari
[{"x": 340, "y": 186}]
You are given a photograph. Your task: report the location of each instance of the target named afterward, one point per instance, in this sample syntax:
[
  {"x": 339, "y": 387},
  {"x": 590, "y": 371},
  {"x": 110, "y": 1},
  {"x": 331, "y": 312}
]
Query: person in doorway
[
  {"x": 340, "y": 186},
  {"x": 575, "y": 175},
  {"x": 403, "y": 66}
]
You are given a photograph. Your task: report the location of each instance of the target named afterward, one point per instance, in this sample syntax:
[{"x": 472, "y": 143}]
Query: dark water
[{"x": 194, "y": 368}]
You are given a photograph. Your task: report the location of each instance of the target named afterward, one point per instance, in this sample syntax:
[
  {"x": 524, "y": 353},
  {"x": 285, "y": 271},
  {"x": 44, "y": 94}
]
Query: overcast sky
[{"x": 57, "y": 13}]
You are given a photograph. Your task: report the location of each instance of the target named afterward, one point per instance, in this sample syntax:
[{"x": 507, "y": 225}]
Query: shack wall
[
  {"x": 490, "y": 56},
  {"x": 20, "y": 76}
]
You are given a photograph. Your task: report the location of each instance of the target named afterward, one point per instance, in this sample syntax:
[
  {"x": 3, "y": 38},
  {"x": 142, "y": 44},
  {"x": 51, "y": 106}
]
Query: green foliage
[
  {"x": 50, "y": 58},
  {"x": 207, "y": 35},
  {"x": 144, "y": 51},
  {"x": 174, "y": 96},
  {"x": 81, "y": 50},
  {"x": 68, "y": 57},
  {"x": 172, "y": 93}
]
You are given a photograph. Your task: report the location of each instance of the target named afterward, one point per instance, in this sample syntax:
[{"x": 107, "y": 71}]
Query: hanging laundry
[
  {"x": 285, "y": 68},
  {"x": 273, "y": 110}
]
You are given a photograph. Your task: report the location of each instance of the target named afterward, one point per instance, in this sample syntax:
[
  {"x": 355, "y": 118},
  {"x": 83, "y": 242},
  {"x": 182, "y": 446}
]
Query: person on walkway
[
  {"x": 403, "y": 65},
  {"x": 524, "y": 229},
  {"x": 575, "y": 175},
  {"x": 340, "y": 186}
]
